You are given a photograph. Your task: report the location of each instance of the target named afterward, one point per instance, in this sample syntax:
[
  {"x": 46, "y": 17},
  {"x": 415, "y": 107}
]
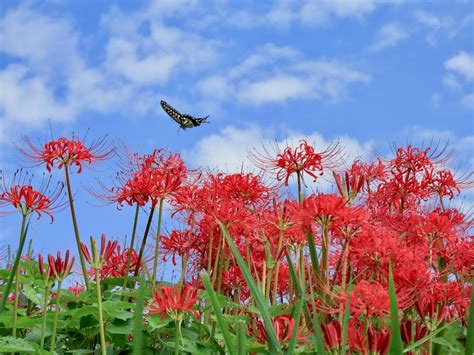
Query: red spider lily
[
  {"x": 283, "y": 326},
  {"x": 412, "y": 331},
  {"x": 332, "y": 334},
  {"x": 368, "y": 340},
  {"x": 441, "y": 182},
  {"x": 299, "y": 160},
  {"x": 47, "y": 276},
  {"x": 65, "y": 151},
  {"x": 174, "y": 302},
  {"x": 60, "y": 267},
  {"x": 323, "y": 208},
  {"x": 107, "y": 248},
  {"x": 27, "y": 200},
  {"x": 76, "y": 289},
  {"x": 177, "y": 243},
  {"x": 115, "y": 264},
  {"x": 349, "y": 185}
]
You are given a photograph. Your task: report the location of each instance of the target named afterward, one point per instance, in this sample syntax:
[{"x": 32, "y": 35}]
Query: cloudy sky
[{"x": 364, "y": 72}]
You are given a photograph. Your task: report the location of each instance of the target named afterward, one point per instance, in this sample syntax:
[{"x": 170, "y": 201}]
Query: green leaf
[
  {"x": 32, "y": 294},
  {"x": 317, "y": 336},
  {"x": 345, "y": 324},
  {"x": 313, "y": 255},
  {"x": 262, "y": 305},
  {"x": 424, "y": 339},
  {"x": 218, "y": 313},
  {"x": 12, "y": 344},
  {"x": 124, "y": 328},
  {"x": 138, "y": 320},
  {"x": 470, "y": 328},
  {"x": 396, "y": 342},
  {"x": 296, "y": 317},
  {"x": 241, "y": 338},
  {"x": 156, "y": 323},
  {"x": 7, "y": 289}
]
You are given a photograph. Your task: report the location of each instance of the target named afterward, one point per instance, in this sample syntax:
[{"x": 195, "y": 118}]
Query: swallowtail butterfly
[{"x": 184, "y": 121}]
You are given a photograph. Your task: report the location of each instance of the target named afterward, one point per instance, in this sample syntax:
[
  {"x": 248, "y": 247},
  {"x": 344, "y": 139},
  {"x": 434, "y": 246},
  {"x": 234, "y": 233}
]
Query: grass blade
[
  {"x": 137, "y": 320},
  {"x": 396, "y": 343},
  {"x": 296, "y": 317},
  {"x": 425, "y": 339},
  {"x": 242, "y": 341},
  {"x": 345, "y": 324},
  {"x": 16, "y": 264},
  {"x": 218, "y": 312},
  {"x": 470, "y": 327},
  {"x": 313, "y": 255},
  {"x": 318, "y": 338},
  {"x": 262, "y": 305}
]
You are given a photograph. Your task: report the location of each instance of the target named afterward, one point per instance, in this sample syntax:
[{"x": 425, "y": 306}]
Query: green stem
[
  {"x": 142, "y": 247},
  {"x": 184, "y": 262},
  {"x": 300, "y": 192},
  {"x": 76, "y": 229},
  {"x": 157, "y": 244},
  {"x": 45, "y": 312},
  {"x": 132, "y": 241},
  {"x": 16, "y": 272},
  {"x": 178, "y": 336},
  {"x": 56, "y": 316},
  {"x": 101, "y": 316}
]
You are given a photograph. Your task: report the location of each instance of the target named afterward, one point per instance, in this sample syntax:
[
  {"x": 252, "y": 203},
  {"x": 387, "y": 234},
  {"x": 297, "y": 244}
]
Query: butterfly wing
[{"x": 184, "y": 121}]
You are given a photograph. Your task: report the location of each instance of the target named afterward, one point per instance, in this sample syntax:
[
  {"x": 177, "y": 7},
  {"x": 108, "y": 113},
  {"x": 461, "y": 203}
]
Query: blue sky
[{"x": 364, "y": 72}]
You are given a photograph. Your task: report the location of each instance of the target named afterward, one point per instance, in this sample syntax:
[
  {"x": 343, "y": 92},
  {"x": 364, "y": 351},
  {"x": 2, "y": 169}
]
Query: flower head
[
  {"x": 66, "y": 152},
  {"x": 303, "y": 159},
  {"x": 26, "y": 199},
  {"x": 174, "y": 302},
  {"x": 60, "y": 268},
  {"x": 107, "y": 248}
]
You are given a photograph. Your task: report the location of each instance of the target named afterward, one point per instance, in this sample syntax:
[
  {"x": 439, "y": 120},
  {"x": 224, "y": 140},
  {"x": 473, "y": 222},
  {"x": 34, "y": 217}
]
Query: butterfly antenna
[{"x": 51, "y": 129}]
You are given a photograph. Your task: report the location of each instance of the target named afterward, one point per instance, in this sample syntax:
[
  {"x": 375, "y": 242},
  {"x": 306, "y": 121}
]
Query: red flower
[
  {"x": 26, "y": 199},
  {"x": 65, "y": 151},
  {"x": 299, "y": 160},
  {"x": 107, "y": 248},
  {"x": 48, "y": 275},
  {"x": 174, "y": 302},
  {"x": 76, "y": 289},
  {"x": 115, "y": 265},
  {"x": 60, "y": 267}
]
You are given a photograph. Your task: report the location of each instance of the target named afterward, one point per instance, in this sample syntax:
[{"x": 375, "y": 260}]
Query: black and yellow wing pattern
[{"x": 184, "y": 121}]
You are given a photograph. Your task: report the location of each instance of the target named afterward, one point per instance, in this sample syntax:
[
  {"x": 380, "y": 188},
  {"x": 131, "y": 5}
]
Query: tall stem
[
  {"x": 76, "y": 229},
  {"x": 56, "y": 316},
  {"x": 178, "y": 337},
  {"x": 184, "y": 262},
  {"x": 157, "y": 245},
  {"x": 130, "y": 248},
  {"x": 101, "y": 316},
  {"x": 277, "y": 267},
  {"x": 142, "y": 247},
  {"x": 17, "y": 276},
  {"x": 45, "y": 312}
]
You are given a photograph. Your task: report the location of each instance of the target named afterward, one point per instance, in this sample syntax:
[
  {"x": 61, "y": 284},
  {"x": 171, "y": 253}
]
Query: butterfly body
[{"x": 185, "y": 121}]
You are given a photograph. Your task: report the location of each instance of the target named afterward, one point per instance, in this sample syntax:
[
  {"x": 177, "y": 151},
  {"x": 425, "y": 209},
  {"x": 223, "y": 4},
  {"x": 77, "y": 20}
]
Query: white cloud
[
  {"x": 451, "y": 82},
  {"x": 468, "y": 101},
  {"x": 441, "y": 26},
  {"x": 307, "y": 13},
  {"x": 462, "y": 64},
  {"x": 460, "y": 76},
  {"x": 228, "y": 149},
  {"x": 388, "y": 36},
  {"x": 282, "y": 75},
  {"x": 50, "y": 77}
]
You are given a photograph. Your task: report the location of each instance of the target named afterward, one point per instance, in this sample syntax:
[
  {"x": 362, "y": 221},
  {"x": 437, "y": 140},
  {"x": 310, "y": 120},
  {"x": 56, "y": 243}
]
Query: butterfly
[{"x": 184, "y": 121}]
